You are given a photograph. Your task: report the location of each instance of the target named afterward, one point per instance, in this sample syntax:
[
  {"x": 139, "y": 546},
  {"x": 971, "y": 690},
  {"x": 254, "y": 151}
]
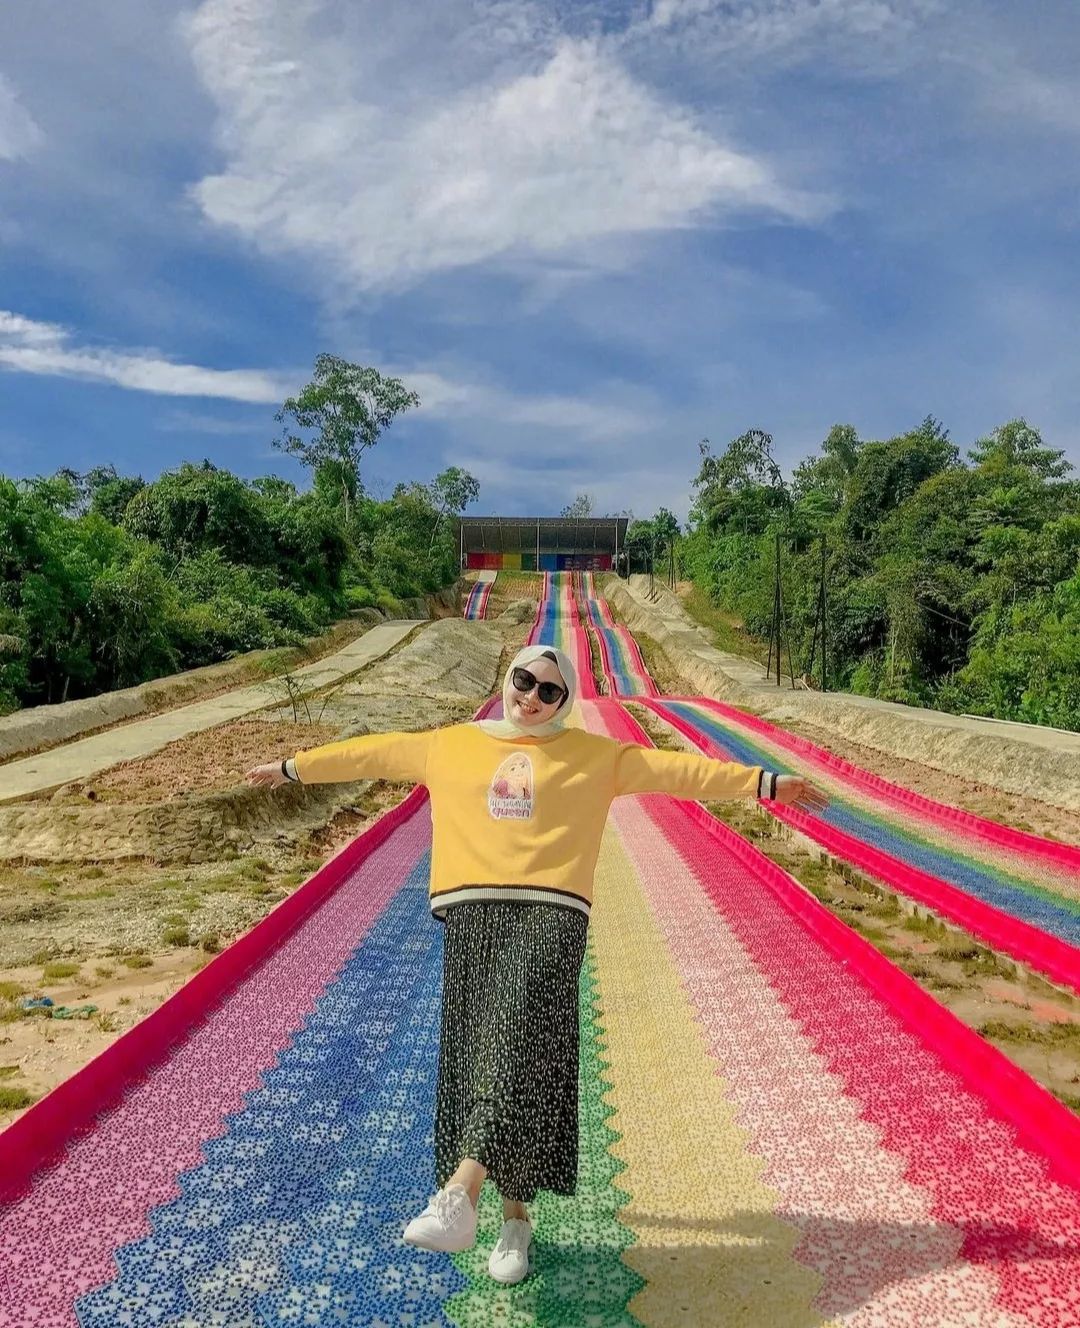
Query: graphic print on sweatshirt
[{"x": 510, "y": 794}]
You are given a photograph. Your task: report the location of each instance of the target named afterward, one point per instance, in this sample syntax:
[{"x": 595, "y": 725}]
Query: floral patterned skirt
[{"x": 508, "y": 1060}]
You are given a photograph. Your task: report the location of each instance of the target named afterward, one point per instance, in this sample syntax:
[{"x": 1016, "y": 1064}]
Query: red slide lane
[
  {"x": 1018, "y": 841},
  {"x": 44, "y": 1131},
  {"x": 1036, "y": 1115},
  {"x": 1059, "y": 960}
]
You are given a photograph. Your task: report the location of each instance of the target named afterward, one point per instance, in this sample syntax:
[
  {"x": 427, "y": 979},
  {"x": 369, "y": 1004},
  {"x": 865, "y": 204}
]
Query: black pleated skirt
[{"x": 508, "y": 1059}]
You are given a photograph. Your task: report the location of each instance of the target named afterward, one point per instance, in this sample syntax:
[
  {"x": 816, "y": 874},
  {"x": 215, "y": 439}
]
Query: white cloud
[
  {"x": 329, "y": 158},
  {"x": 779, "y": 29},
  {"x": 606, "y": 418},
  {"x": 27, "y": 346},
  {"x": 19, "y": 133}
]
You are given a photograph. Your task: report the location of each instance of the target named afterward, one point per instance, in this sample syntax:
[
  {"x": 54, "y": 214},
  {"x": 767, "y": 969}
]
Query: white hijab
[{"x": 510, "y": 728}]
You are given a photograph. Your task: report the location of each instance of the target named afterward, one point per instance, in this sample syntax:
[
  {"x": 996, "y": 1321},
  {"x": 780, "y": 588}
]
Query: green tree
[
  {"x": 452, "y": 490},
  {"x": 582, "y": 506},
  {"x": 343, "y": 411},
  {"x": 824, "y": 479},
  {"x": 196, "y": 508},
  {"x": 1017, "y": 444}
]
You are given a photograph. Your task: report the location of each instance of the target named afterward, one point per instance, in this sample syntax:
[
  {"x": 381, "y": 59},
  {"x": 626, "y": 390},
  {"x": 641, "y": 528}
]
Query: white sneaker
[
  {"x": 447, "y": 1223},
  {"x": 509, "y": 1260}
]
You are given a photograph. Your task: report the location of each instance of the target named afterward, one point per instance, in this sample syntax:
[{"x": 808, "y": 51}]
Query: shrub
[{"x": 57, "y": 971}]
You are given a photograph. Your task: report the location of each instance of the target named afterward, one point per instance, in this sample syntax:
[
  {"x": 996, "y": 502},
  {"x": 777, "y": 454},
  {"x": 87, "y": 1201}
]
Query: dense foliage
[
  {"x": 106, "y": 581},
  {"x": 950, "y": 583}
]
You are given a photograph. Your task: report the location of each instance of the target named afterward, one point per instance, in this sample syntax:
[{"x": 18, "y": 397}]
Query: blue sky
[{"x": 588, "y": 234}]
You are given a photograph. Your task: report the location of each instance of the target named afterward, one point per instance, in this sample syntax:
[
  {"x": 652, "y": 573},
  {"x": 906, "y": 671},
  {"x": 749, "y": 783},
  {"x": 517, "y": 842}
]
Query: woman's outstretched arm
[
  {"x": 690, "y": 775},
  {"x": 397, "y": 756}
]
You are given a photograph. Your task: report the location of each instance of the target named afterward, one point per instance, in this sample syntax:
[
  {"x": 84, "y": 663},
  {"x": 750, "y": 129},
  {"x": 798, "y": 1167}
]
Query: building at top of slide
[{"x": 542, "y": 543}]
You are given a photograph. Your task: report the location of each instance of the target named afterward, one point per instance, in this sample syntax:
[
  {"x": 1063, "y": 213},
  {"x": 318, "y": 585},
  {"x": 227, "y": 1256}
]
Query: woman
[{"x": 518, "y": 807}]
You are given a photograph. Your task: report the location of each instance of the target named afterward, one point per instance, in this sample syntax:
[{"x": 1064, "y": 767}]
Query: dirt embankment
[
  {"x": 1043, "y": 765},
  {"x": 120, "y": 930}
]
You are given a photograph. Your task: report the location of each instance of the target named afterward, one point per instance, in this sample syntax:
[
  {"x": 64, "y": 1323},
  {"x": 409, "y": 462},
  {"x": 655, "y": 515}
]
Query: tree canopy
[{"x": 950, "y": 583}]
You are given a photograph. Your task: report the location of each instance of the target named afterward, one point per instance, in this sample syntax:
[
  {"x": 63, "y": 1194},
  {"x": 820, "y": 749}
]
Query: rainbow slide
[
  {"x": 623, "y": 666},
  {"x": 778, "y": 1127},
  {"x": 1018, "y": 891},
  {"x": 476, "y": 604}
]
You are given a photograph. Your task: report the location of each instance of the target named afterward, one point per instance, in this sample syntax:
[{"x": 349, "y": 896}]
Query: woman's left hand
[{"x": 794, "y": 791}]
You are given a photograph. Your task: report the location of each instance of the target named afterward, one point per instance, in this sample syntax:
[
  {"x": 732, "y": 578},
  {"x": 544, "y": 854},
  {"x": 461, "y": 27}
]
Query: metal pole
[
  {"x": 538, "y": 544},
  {"x": 616, "y": 546},
  {"x": 824, "y": 675},
  {"x": 777, "y": 606},
  {"x": 461, "y": 550}
]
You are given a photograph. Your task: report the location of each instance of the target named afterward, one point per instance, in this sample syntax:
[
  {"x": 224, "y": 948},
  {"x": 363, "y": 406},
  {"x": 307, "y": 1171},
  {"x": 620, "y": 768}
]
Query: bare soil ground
[
  {"x": 123, "y": 940},
  {"x": 213, "y": 760},
  {"x": 509, "y": 586},
  {"x": 1035, "y": 1024}
]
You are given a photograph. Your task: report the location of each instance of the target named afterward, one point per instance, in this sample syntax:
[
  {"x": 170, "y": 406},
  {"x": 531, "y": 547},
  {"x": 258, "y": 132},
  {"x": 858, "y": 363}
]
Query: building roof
[{"x": 514, "y": 534}]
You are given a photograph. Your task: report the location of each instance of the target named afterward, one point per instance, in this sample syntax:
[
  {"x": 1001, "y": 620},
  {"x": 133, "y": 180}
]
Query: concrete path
[{"x": 88, "y": 756}]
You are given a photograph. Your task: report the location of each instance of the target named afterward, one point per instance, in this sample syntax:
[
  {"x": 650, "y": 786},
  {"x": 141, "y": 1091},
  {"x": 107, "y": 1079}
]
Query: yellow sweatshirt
[{"x": 520, "y": 818}]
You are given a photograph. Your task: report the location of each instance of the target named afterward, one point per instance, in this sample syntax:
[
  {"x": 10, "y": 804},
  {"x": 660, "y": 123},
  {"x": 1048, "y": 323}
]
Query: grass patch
[
  {"x": 178, "y": 936},
  {"x": 56, "y": 972},
  {"x": 726, "y": 633},
  {"x": 987, "y": 964},
  {"x": 12, "y": 1099},
  {"x": 92, "y": 873},
  {"x": 44, "y": 910},
  {"x": 959, "y": 950},
  {"x": 10, "y": 991},
  {"x": 136, "y": 961},
  {"x": 8, "y": 1071},
  {"x": 104, "y": 971},
  {"x": 927, "y": 925},
  {"x": 210, "y": 943},
  {"x": 106, "y": 1021},
  {"x": 175, "y": 920},
  {"x": 1039, "y": 1035},
  {"x": 252, "y": 869}
]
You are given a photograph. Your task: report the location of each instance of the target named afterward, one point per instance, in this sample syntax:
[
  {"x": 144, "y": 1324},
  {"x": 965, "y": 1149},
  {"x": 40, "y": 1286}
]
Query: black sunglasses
[{"x": 548, "y": 692}]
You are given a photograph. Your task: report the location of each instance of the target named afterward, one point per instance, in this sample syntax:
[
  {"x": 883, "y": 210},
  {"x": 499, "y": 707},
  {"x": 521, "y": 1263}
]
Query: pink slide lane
[
  {"x": 869, "y": 1232},
  {"x": 995, "y": 1156},
  {"x": 59, "y": 1236},
  {"x": 1022, "y": 843},
  {"x": 1044, "y": 952}
]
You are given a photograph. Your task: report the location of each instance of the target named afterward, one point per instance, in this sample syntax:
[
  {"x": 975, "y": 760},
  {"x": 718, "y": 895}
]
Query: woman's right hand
[{"x": 267, "y": 776}]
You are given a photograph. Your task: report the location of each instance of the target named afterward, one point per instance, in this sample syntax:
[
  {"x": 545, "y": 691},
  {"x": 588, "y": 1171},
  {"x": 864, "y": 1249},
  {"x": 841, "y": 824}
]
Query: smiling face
[{"x": 529, "y": 709}]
